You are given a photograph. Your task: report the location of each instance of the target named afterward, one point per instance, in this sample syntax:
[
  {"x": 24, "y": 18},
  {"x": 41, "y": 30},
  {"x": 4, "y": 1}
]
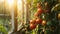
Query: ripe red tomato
[
  {"x": 32, "y": 26},
  {"x": 32, "y": 21},
  {"x": 39, "y": 21},
  {"x": 39, "y": 10}
]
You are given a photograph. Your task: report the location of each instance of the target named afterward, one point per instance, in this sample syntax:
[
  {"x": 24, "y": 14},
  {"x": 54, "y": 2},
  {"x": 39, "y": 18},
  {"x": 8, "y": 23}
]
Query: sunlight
[
  {"x": 1, "y": 0},
  {"x": 19, "y": 5},
  {"x": 10, "y": 2},
  {"x": 19, "y": 1}
]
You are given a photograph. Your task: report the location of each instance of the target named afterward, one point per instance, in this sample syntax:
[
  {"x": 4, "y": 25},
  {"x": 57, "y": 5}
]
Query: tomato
[
  {"x": 44, "y": 22},
  {"x": 59, "y": 16},
  {"x": 36, "y": 14},
  {"x": 39, "y": 21},
  {"x": 39, "y": 10},
  {"x": 32, "y": 26},
  {"x": 33, "y": 21}
]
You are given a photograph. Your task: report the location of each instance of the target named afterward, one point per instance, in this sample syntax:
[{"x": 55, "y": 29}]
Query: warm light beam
[
  {"x": 10, "y": 2},
  {"x": 1, "y": 0},
  {"x": 19, "y": 5}
]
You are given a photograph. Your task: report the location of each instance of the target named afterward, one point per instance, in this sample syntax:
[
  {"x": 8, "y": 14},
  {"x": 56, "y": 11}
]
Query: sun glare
[{"x": 10, "y": 2}]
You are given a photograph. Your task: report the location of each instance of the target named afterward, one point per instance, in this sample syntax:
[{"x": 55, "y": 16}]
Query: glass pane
[
  {"x": 2, "y": 20},
  {"x": 6, "y": 17},
  {"x": 19, "y": 12}
]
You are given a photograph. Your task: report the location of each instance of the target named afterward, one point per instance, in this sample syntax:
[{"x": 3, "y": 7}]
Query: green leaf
[
  {"x": 2, "y": 29},
  {"x": 56, "y": 7}
]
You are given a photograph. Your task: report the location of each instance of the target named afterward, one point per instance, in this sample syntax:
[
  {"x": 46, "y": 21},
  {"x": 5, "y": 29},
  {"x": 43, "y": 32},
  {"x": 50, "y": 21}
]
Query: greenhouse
[{"x": 29, "y": 16}]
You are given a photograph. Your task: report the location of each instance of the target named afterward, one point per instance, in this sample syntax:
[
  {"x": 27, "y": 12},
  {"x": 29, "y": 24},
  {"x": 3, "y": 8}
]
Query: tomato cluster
[{"x": 34, "y": 22}]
